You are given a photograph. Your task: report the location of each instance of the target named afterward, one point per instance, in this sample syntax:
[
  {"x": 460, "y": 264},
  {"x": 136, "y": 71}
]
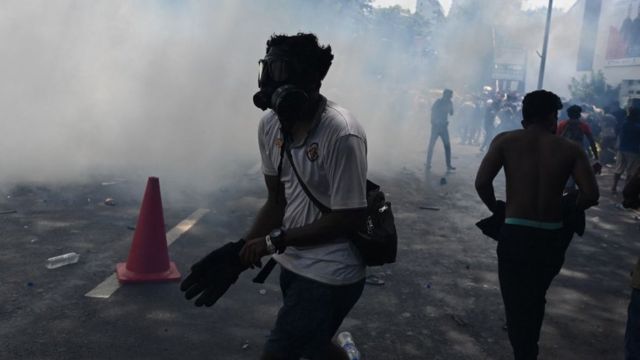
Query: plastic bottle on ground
[
  {"x": 62, "y": 260},
  {"x": 345, "y": 340}
]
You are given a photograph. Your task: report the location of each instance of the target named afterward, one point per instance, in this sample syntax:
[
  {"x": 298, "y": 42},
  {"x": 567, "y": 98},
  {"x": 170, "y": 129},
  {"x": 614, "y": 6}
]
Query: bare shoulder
[{"x": 506, "y": 137}]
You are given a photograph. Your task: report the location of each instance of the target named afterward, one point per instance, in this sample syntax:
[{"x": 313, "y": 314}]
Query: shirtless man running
[{"x": 537, "y": 165}]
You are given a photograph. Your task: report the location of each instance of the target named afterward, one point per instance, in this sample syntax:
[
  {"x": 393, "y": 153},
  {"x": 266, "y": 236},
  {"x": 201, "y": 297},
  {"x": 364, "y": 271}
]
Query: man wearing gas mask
[{"x": 310, "y": 147}]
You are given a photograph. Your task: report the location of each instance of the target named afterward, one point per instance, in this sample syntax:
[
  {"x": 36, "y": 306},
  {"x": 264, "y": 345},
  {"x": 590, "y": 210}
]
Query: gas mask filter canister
[{"x": 276, "y": 78}]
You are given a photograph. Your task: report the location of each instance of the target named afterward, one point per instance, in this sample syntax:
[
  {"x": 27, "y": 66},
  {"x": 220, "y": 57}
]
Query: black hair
[
  {"x": 304, "y": 47},
  {"x": 539, "y": 104},
  {"x": 574, "y": 112},
  {"x": 447, "y": 92}
]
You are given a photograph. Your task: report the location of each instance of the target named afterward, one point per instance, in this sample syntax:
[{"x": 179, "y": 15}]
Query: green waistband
[{"x": 534, "y": 224}]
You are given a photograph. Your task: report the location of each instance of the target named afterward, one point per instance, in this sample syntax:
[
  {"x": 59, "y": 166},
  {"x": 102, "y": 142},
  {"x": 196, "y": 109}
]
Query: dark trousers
[
  {"x": 631, "y": 191},
  {"x": 632, "y": 333},
  {"x": 443, "y": 133},
  {"x": 310, "y": 316},
  {"x": 528, "y": 260}
]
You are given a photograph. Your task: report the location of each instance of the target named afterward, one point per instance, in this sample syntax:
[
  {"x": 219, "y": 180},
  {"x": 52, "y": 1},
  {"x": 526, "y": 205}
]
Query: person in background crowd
[
  {"x": 628, "y": 157},
  {"x": 631, "y": 200},
  {"x": 492, "y": 108},
  {"x": 440, "y": 112}
]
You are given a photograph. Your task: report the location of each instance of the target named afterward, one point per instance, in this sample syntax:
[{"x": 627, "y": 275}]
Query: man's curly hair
[{"x": 304, "y": 47}]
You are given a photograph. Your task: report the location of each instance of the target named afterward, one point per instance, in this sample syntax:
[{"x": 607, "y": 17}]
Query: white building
[{"x": 614, "y": 39}]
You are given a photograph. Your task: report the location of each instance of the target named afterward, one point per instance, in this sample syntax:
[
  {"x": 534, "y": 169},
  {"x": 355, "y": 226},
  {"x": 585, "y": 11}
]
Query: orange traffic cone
[{"x": 149, "y": 256}]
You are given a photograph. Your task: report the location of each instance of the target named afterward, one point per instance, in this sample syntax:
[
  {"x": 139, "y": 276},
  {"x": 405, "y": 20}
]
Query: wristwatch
[{"x": 275, "y": 241}]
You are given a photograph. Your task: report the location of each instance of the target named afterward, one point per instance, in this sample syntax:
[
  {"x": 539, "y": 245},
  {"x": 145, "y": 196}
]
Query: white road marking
[{"x": 106, "y": 288}]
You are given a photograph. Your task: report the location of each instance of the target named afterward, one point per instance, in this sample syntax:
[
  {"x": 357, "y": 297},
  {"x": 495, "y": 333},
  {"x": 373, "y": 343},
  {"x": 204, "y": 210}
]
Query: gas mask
[{"x": 278, "y": 76}]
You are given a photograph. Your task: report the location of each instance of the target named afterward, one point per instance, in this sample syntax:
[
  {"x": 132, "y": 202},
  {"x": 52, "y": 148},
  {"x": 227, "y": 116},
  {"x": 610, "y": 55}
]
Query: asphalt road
[{"x": 440, "y": 301}]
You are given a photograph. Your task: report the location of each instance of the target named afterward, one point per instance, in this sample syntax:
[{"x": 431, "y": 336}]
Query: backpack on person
[{"x": 573, "y": 131}]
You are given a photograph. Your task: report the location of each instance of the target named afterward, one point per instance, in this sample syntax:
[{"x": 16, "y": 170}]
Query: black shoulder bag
[{"x": 376, "y": 239}]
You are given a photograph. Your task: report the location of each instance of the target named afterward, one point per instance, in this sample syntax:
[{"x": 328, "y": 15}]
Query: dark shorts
[{"x": 310, "y": 316}]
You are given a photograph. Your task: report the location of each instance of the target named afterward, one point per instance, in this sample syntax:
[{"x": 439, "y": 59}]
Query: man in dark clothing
[
  {"x": 628, "y": 157},
  {"x": 631, "y": 193},
  {"x": 440, "y": 111},
  {"x": 618, "y": 113},
  {"x": 631, "y": 200},
  {"x": 533, "y": 240}
]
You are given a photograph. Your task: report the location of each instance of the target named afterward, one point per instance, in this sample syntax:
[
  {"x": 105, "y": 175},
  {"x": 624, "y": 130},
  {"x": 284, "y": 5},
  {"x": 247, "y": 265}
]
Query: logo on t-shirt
[{"x": 312, "y": 152}]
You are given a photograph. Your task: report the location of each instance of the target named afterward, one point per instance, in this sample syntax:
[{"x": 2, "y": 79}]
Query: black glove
[
  {"x": 214, "y": 274},
  {"x": 491, "y": 225}
]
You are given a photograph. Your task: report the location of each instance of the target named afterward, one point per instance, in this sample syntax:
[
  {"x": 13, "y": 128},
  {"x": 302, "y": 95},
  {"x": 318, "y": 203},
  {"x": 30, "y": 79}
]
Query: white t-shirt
[{"x": 332, "y": 161}]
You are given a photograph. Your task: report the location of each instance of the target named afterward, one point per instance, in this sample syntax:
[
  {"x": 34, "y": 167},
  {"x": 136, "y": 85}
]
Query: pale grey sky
[{"x": 411, "y": 4}]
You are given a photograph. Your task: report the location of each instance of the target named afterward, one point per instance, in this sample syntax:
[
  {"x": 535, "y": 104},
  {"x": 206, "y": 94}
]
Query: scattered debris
[
  {"x": 109, "y": 202},
  {"x": 26, "y": 226},
  {"x": 62, "y": 260},
  {"x": 245, "y": 346},
  {"x": 107, "y": 183},
  {"x": 443, "y": 181},
  {"x": 468, "y": 267},
  {"x": 262, "y": 292},
  {"x": 406, "y": 315},
  {"x": 460, "y": 321},
  {"x": 374, "y": 280},
  {"x": 4, "y": 212},
  {"x": 33, "y": 240},
  {"x": 131, "y": 227},
  {"x": 429, "y": 208},
  {"x": 427, "y": 285},
  {"x": 30, "y": 284}
]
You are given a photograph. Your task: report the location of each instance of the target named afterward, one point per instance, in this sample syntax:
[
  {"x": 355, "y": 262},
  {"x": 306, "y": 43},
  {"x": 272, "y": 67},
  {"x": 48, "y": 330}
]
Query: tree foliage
[{"x": 592, "y": 89}]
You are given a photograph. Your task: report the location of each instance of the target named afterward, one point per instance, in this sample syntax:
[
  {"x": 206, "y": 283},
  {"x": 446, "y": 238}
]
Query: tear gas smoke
[{"x": 164, "y": 87}]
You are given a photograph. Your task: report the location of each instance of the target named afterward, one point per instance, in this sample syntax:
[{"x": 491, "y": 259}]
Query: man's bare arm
[
  {"x": 586, "y": 180},
  {"x": 488, "y": 170},
  {"x": 329, "y": 226},
  {"x": 326, "y": 229},
  {"x": 270, "y": 216}
]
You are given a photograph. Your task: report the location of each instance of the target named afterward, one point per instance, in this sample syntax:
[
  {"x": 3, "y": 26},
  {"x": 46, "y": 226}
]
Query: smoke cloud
[{"x": 164, "y": 87}]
